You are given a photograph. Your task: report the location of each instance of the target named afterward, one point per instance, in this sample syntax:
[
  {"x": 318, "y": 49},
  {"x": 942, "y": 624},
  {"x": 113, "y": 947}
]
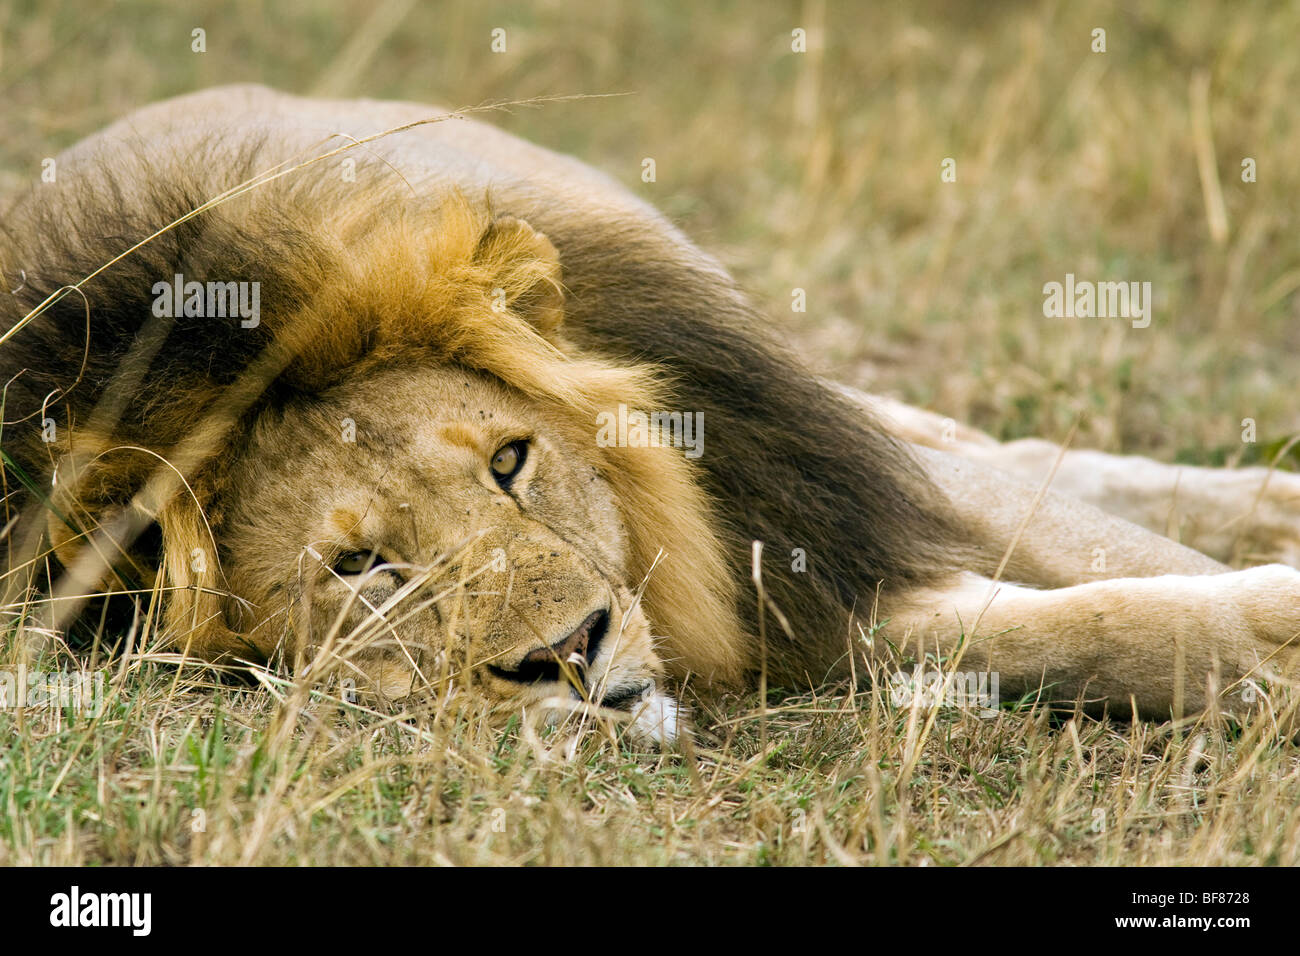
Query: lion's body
[{"x": 428, "y": 298}]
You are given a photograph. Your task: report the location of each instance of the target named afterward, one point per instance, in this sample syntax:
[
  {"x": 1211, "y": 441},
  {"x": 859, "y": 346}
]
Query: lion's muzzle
[{"x": 571, "y": 654}]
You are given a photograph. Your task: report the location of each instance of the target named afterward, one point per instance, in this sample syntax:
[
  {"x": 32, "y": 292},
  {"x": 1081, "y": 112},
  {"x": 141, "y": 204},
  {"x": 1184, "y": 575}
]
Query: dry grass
[
  {"x": 180, "y": 771},
  {"x": 821, "y": 172}
]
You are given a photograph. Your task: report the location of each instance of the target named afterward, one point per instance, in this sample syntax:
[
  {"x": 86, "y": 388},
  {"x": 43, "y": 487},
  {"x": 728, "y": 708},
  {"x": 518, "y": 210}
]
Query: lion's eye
[
  {"x": 356, "y": 562},
  {"x": 507, "y": 462}
]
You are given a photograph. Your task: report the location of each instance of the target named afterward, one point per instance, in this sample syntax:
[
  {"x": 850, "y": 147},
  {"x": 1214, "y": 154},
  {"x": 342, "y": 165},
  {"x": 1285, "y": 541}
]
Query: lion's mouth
[
  {"x": 546, "y": 665},
  {"x": 572, "y": 663}
]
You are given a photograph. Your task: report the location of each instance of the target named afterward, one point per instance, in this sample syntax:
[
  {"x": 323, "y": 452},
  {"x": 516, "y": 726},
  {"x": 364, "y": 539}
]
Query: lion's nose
[{"x": 578, "y": 649}]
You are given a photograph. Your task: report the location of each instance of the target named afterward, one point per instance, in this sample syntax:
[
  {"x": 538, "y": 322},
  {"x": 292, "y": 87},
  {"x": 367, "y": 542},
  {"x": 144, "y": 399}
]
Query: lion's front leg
[{"x": 1166, "y": 645}]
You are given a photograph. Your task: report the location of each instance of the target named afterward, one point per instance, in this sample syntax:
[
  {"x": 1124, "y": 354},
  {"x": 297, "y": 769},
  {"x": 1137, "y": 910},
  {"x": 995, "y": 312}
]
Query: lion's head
[
  {"x": 411, "y": 496},
  {"x": 420, "y": 521}
]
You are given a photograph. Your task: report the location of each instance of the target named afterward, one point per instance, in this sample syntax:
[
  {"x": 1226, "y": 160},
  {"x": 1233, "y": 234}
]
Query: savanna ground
[{"x": 819, "y": 171}]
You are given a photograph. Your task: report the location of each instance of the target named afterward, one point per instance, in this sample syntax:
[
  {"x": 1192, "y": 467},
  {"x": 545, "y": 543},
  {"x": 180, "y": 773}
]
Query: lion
[{"x": 392, "y": 397}]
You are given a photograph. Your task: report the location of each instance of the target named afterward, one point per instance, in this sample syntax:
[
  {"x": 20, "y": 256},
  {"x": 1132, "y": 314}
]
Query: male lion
[{"x": 412, "y": 410}]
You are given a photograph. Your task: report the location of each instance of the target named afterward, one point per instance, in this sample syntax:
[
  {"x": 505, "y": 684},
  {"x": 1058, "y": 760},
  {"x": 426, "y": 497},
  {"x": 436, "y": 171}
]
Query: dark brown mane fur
[{"x": 793, "y": 463}]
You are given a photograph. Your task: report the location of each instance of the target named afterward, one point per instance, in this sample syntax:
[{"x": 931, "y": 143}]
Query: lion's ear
[{"x": 524, "y": 270}]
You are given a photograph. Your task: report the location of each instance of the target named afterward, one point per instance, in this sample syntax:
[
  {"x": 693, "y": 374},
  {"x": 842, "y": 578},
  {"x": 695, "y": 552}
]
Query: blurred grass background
[{"x": 821, "y": 170}]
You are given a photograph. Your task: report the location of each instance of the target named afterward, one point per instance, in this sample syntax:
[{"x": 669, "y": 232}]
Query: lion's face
[
  {"x": 422, "y": 523},
  {"x": 398, "y": 473}
]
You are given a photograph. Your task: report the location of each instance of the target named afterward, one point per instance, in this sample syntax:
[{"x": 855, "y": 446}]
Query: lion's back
[{"x": 439, "y": 150}]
